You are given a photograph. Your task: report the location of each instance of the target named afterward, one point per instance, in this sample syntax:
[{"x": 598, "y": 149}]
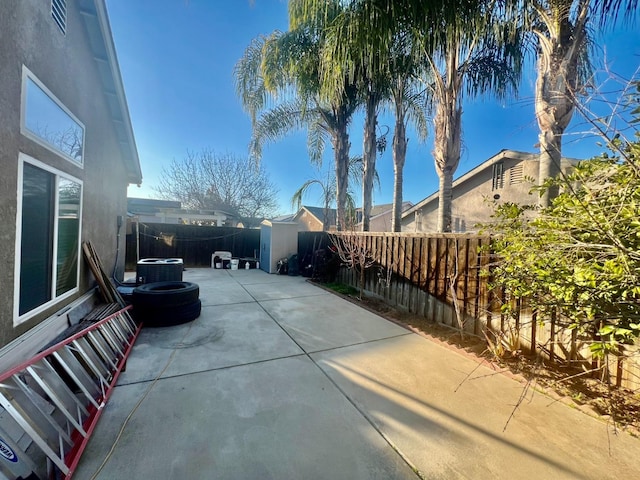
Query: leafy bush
[{"x": 581, "y": 255}]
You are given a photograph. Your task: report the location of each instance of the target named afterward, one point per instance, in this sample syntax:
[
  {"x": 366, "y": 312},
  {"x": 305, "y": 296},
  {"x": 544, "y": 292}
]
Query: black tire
[
  {"x": 168, "y": 316},
  {"x": 165, "y": 294}
]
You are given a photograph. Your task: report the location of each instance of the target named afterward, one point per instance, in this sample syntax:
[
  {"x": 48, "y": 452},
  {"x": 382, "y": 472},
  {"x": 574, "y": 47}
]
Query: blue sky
[{"x": 177, "y": 57}]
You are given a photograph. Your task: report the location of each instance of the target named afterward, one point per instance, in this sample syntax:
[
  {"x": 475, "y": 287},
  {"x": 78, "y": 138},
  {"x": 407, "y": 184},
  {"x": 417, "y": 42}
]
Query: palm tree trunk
[
  {"x": 550, "y": 158},
  {"x": 447, "y": 131},
  {"x": 399, "y": 156},
  {"x": 368, "y": 159},
  {"x": 559, "y": 52},
  {"x": 554, "y": 109},
  {"x": 445, "y": 194},
  {"x": 326, "y": 221},
  {"x": 341, "y": 156}
]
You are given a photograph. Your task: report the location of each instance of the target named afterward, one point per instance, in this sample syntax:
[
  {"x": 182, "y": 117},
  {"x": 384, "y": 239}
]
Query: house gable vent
[
  {"x": 516, "y": 174},
  {"x": 498, "y": 176},
  {"x": 59, "y": 14}
]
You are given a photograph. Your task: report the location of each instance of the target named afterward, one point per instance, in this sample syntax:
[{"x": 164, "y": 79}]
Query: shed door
[{"x": 265, "y": 248}]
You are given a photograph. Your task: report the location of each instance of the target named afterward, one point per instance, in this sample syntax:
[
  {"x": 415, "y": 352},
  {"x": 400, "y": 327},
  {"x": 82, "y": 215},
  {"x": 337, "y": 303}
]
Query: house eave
[
  {"x": 270, "y": 223},
  {"x": 96, "y": 21}
]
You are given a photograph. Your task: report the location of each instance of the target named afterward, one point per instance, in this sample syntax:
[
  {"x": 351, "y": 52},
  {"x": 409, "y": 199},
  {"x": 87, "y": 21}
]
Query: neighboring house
[
  {"x": 312, "y": 219},
  {"x": 381, "y": 216},
  {"x": 506, "y": 177},
  {"x": 282, "y": 218},
  {"x": 168, "y": 211},
  {"x": 68, "y": 154},
  {"x": 148, "y": 210}
]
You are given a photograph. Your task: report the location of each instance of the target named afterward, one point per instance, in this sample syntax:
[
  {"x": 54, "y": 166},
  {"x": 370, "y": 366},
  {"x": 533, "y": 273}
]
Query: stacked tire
[{"x": 163, "y": 304}]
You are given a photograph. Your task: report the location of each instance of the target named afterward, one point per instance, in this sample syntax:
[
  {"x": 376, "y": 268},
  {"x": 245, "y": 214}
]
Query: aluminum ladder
[{"x": 54, "y": 400}]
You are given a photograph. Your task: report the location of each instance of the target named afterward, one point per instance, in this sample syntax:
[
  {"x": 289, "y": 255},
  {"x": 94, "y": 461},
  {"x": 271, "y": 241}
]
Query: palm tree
[
  {"x": 381, "y": 74},
  {"x": 561, "y": 30},
  {"x": 476, "y": 55},
  {"x": 372, "y": 99},
  {"x": 463, "y": 48},
  {"x": 328, "y": 188},
  {"x": 340, "y": 61},
  {"x": 282, "y": 69},
  {"x": 409, "y": 104},
  {"x": 328, "y": 196}
]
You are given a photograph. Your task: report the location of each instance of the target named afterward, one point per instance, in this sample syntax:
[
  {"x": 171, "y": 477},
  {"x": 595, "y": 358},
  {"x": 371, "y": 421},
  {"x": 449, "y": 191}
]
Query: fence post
[
  {"x": 552, "y": 339},
  {"x": 534, "y": 329}
]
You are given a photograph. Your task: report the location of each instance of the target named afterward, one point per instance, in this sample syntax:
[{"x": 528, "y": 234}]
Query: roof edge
[
  {"x": 135, "y": 173},
  {"x": 504, "y": 153}
]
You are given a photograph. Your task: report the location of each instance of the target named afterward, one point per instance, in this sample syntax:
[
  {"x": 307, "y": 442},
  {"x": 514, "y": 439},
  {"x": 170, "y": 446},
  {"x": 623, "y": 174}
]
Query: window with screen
[{"x": 48, "y": 239}]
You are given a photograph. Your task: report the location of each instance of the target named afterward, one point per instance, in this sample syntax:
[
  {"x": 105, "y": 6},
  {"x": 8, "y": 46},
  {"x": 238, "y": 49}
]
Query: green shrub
[{"x": 581, "y": 255}]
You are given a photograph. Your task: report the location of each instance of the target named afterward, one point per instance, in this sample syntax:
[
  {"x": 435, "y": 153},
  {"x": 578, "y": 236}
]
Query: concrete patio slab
[
  {"x": 277, "y": 420},
  {"x": 223, "y": 293},
  {"x": 252, "y": 277},
  {"x": 300, "y": 384},
  {"x": 285, "y": 287},
  {"x": 407, "y": 387},
  {"x": 222, "y": 336},
  {"x": 217, "y": 287},
  {"x": 320, "y": 323}
]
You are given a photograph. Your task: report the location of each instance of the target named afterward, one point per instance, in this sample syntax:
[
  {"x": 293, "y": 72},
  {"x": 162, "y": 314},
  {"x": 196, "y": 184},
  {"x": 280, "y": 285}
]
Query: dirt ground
[{"x": 572, "y": 386}]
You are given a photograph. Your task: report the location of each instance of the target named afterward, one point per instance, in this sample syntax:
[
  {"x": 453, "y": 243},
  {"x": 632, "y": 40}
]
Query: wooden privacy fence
[
  {"x": 445, "y": 278},
  {"x": 193, "y": 243},
  {"x": 419, "y": 273}
]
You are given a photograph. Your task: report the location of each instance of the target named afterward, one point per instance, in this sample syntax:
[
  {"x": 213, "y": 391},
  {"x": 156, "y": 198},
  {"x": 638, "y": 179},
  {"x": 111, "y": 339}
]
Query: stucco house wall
[
  {"x": 381, "y": 223},
  {"x": 476, "y": 192},
  {"x": 381, "y": 217},
  {"x": 311, "y": 219},
  {"x": 307, "y": 221},
  {"x": 69, "y": 66}
]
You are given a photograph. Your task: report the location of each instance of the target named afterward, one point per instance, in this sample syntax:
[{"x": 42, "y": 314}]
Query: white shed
[{"x": 277, "y": 240}]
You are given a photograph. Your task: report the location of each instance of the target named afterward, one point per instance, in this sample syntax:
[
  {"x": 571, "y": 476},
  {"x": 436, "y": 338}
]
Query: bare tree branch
[{"x": 211, "y": 180}]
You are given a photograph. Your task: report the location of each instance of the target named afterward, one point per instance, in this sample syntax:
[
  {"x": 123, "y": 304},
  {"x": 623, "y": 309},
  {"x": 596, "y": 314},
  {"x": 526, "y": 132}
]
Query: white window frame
[
  {"x": 28, "y": 74},
  {"x": 17, "y": 318}
]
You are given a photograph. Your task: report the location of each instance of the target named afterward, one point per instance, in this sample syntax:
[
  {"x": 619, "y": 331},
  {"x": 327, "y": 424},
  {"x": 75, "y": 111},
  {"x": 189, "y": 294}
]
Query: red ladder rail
[{"x": 57, "y": 397}]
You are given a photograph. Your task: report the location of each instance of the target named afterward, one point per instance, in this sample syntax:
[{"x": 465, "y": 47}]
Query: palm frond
[
  {"x": 355, "y": 169},
  {"x": 298, "y": 195},
  {"x": 276, "y": 123},
  {"x": 316, "y": 138},
  {"x": 249, "y": 83},
  {"x": 608, "y": 12},
  {"x": 418, "y": 110}
]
